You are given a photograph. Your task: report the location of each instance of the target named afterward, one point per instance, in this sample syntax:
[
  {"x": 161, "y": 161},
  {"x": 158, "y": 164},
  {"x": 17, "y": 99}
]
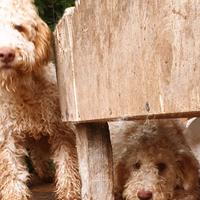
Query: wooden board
[
  {"x": 95, "y": 161},
  {"x": 116, "y": 57}
]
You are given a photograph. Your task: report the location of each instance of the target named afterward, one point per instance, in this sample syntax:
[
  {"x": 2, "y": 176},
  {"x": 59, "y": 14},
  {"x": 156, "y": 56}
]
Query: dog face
[
  {"x": 155, "y": 166},
  {"x": 25, "y": 40},
  {"x": 150, "y": 176}
]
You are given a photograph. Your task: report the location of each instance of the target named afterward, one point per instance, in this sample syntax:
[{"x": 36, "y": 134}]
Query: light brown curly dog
[
  {"x": 153, "y": 162},
  {"x": 29, "y": 106}
]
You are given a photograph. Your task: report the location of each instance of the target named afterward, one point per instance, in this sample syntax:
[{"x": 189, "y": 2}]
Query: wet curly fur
[
  {"x": 29, "y": 107},
  {"x": 153, "y": 162}
]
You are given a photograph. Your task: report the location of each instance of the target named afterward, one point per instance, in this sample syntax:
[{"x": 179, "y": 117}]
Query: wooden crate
[
  {"x": 124, "y": 59},
  {"x": 116, "y": 57}
]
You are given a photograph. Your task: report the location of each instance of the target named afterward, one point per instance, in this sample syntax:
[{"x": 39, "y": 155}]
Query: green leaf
[{"x": 52, "y": 10}]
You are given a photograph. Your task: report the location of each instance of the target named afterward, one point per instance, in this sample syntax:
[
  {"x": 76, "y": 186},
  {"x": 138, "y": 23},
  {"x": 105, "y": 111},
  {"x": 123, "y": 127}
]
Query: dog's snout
[
  {"x": 144, "y": 195},
  {"x": 7, "y": 55}
]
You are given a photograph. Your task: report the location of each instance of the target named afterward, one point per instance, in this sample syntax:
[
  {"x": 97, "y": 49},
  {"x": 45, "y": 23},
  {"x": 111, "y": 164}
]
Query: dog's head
[
  {"x": 157, "y": 165},
  {"x": 25, "y": 40}
]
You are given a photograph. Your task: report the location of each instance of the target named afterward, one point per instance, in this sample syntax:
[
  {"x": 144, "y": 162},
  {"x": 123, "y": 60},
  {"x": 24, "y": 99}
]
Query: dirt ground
[{"x": 43, "y": 192}]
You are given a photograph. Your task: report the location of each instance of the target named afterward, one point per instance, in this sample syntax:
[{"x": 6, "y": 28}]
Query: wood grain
[
  {"x": 115, "y": 57},
  {"x": 95, "y": 161}
]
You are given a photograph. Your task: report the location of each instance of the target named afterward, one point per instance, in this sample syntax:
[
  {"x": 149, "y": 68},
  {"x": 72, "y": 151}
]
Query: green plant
[{"x": 52, "y": 10}]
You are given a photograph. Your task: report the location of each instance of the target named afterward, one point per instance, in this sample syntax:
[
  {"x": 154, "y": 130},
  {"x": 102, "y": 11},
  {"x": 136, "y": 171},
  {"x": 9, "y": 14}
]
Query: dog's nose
[
  {"x": 144, "y": 195},
  {"x": 7, "y": 54}
]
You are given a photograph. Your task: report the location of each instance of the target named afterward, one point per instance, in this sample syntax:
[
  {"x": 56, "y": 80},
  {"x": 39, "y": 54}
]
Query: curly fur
[
  {"x": 153, "y": 157},
  {"x": 29, "y": 106}
]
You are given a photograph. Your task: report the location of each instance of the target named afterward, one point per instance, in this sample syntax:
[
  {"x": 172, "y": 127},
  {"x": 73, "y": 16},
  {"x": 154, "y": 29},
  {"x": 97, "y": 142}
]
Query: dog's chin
[
  {"x": 6, "y": 67},
  {"x": 7, "y": 71},
  {"x": 8, "y": 76},
  {"x": 12, "y": 77},
  {"x": 19, "y": 68}
]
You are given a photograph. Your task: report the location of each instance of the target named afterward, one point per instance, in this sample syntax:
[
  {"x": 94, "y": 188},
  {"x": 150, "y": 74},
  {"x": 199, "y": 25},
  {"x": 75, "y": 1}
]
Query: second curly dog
[{"x": 153, "y": 161}]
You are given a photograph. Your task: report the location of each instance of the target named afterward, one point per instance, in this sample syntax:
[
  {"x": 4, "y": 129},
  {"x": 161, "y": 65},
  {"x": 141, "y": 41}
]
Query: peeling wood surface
[
  {"x": 95, "y": 161},
  {"x": 115, "y": 57}
]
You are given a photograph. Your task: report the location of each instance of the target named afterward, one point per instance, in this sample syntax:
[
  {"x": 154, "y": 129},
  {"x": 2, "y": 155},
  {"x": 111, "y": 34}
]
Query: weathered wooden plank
[
  {"x": 125, "y": 54},
  {"x": 65, "y": 72},
  {"x": 95, "y": 161}
]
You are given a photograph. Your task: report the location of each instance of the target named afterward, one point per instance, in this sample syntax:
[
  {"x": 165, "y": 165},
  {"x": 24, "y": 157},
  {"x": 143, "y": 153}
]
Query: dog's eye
[
  {"x": 178, "y": 187},
  {"x": 161, "y": 167},
  {"x": 137, "y": 165},
  {"x": 20, "y": 28}
]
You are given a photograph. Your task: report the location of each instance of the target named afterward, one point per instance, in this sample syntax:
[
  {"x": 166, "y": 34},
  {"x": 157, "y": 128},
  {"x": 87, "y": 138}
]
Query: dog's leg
[
  {"x": 65, "y": 158},
  {"x": 13, "y": 171}
]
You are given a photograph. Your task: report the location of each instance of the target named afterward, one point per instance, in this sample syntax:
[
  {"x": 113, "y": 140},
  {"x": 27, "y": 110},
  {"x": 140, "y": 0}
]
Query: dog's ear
[
  {"x": 188, "y": 170},
  {"x": 120, "y": 178},
  {"x": 42, "y": 43}
]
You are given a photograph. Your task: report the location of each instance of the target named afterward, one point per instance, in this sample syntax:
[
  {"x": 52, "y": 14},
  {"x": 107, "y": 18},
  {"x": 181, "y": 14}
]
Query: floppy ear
[
  {"x": 120, "y": 178},
  {"x": 188, "y": 168},
  {"x": 42, "y": 43}
]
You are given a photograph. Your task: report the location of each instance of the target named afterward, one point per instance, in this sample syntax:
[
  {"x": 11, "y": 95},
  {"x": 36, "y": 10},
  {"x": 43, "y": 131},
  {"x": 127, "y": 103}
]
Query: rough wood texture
[
  {"x": 95, "y": 161},
  {"x": 114, "y": 57}
]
